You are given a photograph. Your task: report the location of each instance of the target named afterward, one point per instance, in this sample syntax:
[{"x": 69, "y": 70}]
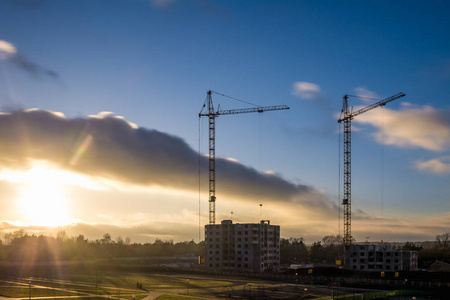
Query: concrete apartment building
[
  {"x": 248, "y": 247},
  {"x": 379, "y": 258}
]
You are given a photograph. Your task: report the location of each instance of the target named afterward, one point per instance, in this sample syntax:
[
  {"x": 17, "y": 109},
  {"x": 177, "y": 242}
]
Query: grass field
[
  {"x": 95, "y": 281},
  {"x": 160, "y": 285}
]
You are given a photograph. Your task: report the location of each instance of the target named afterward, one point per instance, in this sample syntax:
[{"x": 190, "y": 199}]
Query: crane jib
[
  {"x": 346, "y": 116},
  {"x": 350, "y": 115},
  {"x": 212, "y": 115}
]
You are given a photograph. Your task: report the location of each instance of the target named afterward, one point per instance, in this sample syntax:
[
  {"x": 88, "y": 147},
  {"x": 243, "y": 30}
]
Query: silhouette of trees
[
  {"x": 443, "y": 240},
  {"x": 327, "y": 250},
  {"x": 409, "y": 246},
  {"x": 293, "y": 251},
  {"x": 317, "y": 253},
  {"x": 20, "y": 246},
  {"x": 439, "y": 251}
]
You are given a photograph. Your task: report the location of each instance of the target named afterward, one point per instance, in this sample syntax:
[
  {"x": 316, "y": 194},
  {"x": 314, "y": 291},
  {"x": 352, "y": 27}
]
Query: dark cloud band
[{"x": 108, "y": 146}]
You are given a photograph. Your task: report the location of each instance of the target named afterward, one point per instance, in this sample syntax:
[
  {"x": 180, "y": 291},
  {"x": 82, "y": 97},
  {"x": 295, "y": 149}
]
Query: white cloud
[
  {"x": 306, "y": 90},
  {"x": 6, "y": 50},
  {"x": 437, "y": 166},
  {"x": 232, "y": 159},
  {"x": 411, "y": 127},
  {"x": 109, "y": 114},
  {"x": 270, "y": 172}
]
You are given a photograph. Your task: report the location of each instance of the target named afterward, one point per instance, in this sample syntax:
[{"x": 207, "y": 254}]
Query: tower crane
[
  {"x": 347, "y": 114},
  {"x": 212, "y": 115}
]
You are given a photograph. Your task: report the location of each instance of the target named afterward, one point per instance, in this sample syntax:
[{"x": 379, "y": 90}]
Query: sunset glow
[
  {"x": 100, "y": 129},
  {"x": 43, "y": 204}
]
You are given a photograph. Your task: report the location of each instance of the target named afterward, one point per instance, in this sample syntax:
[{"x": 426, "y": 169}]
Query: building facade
[
  {"x": 249, "y": 247},
  {"x": 379, "y": 258}
]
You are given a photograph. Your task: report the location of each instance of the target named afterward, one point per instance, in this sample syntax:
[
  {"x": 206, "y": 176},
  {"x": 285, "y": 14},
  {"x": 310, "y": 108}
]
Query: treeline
[
  {"x": 20, "y": 246},
  {"x": 438, "y": 251},
  {"x": 325, "y": 252}
]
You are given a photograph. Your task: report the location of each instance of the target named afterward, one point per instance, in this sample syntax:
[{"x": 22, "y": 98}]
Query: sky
[{"x": 100, "y": 129}]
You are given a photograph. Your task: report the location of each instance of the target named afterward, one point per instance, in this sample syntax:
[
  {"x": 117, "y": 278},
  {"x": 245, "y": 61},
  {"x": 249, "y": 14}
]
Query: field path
[{"x": 151, "y": 296}]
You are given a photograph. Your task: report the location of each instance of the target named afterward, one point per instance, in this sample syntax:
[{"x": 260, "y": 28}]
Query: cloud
[
  {"x": 32, "y": 68},
  {"x": 362, "y": 92},
  {"x": 406, "y": 228},
  {"x": 109, "y": 147},
  {"x": 411, "y": 127},
  {"x": 306, "y": 90},
  {"x": 6, "y": 50},
  {"x": 436, "y": 166},
  {"x": 409, "y": 228},
  {"x": 9, "y": 52}
]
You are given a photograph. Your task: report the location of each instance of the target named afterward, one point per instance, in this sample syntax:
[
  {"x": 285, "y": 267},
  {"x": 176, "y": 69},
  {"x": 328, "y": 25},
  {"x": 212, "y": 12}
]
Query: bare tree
[{"x": 443, "y": 240}]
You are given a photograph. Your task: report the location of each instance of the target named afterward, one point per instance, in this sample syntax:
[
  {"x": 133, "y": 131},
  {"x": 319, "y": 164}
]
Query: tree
[
  {"x": 62, "y": 235},
  {"x": 106, "y": 239},
  {"x": 9, "y": 237},
  {"x": 332, "y": 240},
  {"x": 293, "y": 251},
  {"x": 408, "y": 246},
  {"x": 81, "y": 239},
  {"x": 333, "y": 247},
  {"x": 317, "y": 253},
  {"x": 443, "y": 240}
]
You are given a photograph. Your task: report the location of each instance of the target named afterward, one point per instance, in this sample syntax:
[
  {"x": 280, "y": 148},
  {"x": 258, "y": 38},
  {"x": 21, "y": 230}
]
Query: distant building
[
  {"x": 249, "y": 247},
  {"x": 379, "y": 258}
]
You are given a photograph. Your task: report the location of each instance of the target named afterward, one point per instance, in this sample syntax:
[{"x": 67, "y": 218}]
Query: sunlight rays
[
  {"x": 42, "y": 199},
  {"x": 44, "y": 204}
]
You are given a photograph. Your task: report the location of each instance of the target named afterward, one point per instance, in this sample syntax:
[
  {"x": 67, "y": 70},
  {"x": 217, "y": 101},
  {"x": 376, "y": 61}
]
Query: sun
[
  {"x": 43, "y": 205},
  {"x": 42, "y": 202}
]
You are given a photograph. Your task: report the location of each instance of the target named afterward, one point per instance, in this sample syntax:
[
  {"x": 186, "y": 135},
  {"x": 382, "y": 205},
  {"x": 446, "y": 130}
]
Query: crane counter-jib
[
  {"x": 212, "y": 115},
  {"x": 346, "y": 117}
]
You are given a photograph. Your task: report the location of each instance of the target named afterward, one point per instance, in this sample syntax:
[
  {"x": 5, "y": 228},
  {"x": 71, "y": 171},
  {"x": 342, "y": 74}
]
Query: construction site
[
  {"x": 224, "y": 246},
  {"x": 255, "y": 247}
]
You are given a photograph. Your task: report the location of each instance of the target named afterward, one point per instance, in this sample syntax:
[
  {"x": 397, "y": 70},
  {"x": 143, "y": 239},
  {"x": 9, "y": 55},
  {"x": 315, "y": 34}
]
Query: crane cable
[
  {"x": 261, "y": 186},
  {"x": 339, "y": 180},
  {"x": 260, "y": 146},
  {"x": 199, "y": 179},
  {"x": 236, "y": 99},
  {"x": 382, "y": 172}
]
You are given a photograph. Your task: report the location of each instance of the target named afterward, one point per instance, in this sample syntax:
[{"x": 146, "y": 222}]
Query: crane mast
[
  {"x": 347, "y": 114},
  {"x": 212, "y": 115}
]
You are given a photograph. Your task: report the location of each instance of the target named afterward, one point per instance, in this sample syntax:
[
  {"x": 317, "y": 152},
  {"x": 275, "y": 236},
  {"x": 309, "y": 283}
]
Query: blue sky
[{"x": 152, "y": 62}]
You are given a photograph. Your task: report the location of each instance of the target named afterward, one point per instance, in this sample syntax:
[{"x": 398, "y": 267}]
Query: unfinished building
[
  {"x": 379, "y": 258},
  {"x": 248, "y": 247}
]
